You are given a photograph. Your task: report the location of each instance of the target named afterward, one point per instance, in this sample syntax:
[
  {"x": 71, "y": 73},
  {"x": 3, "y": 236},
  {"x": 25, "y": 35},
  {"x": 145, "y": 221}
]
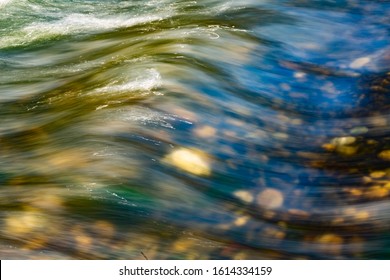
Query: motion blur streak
[{"x": 201, "y": 129}]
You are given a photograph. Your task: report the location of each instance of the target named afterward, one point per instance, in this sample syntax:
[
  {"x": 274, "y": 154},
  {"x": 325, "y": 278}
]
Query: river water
[{"x": 170, "y": 129}]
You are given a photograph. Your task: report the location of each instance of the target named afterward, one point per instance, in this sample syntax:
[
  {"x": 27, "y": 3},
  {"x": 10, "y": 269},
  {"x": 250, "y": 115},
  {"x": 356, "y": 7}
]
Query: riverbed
[{"x": 201, "y": 129}]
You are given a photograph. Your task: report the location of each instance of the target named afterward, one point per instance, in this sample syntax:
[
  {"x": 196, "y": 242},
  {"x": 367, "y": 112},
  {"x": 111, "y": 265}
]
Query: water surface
[{"x": 194, "y": 129}]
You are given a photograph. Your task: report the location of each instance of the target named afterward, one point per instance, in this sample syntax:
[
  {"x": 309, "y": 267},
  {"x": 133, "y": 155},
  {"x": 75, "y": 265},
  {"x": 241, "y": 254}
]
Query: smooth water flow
[{"x": 194, "y": 129}]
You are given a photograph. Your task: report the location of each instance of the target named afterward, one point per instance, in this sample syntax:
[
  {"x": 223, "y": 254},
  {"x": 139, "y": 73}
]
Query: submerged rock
[
  {"x": 190, "y": 160},
  {"x": 270, "y": 198}
]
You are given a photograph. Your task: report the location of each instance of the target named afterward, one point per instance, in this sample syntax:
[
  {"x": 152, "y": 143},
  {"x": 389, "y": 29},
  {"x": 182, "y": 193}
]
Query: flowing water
[{"x": 208, "y": 129}]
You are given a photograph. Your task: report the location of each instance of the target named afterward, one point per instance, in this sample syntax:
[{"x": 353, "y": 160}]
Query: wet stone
[
  {"x": 241, "y": 221},
  {"x": 355, "y": 192},
  {"x": 259, "y": 117},
  {"x": 346, "y": 150},
  {"x": 342, "y": 141},
  {"x": 329, "y": 147},
  {"x": 377, "y": 192},
  {"x": 190, "y": 160},
  {"x": 82, "y": 239},
  {"x": 330, "y": 243},
  {"x": 182, "y": 245},
  {"x": 362, "y": 215},
  {"x": 205, "y": 131},
  {"x": 329, "y": 238},
  {"x": 377, "y": 174},
  {"x": 48, "y": 201},
  {"x": 104, "y": 228},
  {"x": 270, "y": 198},
  {"x": 244, "y": 196},
  {"x": 385, "y": 155},
  {"x": 25, "y": 223}
]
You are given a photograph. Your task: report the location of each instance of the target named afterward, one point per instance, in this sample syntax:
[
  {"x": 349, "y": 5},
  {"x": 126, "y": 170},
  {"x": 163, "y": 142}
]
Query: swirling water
[{"x": 201, "y": 129}]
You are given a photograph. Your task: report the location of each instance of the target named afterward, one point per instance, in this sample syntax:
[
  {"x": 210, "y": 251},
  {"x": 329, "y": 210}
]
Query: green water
[{"x": 194, "y": 129}]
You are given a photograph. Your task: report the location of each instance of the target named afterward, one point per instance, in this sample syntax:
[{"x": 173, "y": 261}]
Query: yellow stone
[
  {"x": 240, "y": 256},
  {"x": 377, "y": 174},
  {"x": 330, "y": 238},
  {"x": 367, "y": 179},
  {"x": 342, "y": 141},
  {"x": 83, "y": 240},
  {"x": 48, "y": 202},
  {"x": 270, "y": 198},
  {"x": 362, "y": 215},
  {"x": 280, "y": 235},
  {"x": 190, "y": 160},
  {"x": 24, "y": 223},
  {"x": 63, "y": 160},
  {"x": 240, "y": 221},
  {"x": 356, "y": 192},
  {"x": 346, "y": 150},
  {"x": 377, "y": 192},
  {"x": 104, "y": 228},
  {"x": 329, "y": 147},
  {"x": 244, "y": 196},
  {"x": 205, "y": 131},
  {"x": 330, "y": 243},
  {"x": 385, "y": 155},
  {"x": 342, "y": 145},
  {"x": 183, "y": 244}
]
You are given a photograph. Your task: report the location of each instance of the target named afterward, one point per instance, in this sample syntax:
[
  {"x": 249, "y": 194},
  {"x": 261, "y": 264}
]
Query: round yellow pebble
[
  {"x": 385, "y": 154},
  {"x": 190, "y": 160}
]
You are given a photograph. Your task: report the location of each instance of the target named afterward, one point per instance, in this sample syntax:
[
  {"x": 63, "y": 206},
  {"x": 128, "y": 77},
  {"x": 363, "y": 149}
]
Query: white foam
[
  {"x": 148, "y": 81},
  {"x": 73, "y": 24},
  {"x": 79, "y": 23},
  {"x": 4, "y": 2}
]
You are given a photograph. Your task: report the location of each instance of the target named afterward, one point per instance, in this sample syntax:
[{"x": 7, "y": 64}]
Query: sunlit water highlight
[{"x": 194, "y": 129}]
